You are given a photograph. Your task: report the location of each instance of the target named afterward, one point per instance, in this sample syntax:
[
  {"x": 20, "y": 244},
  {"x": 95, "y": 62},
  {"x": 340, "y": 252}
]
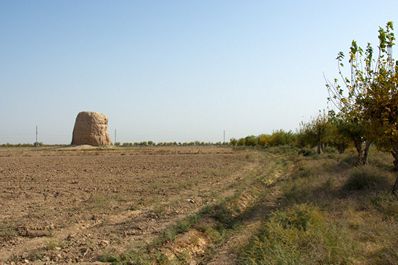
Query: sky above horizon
[{"x": 173, "y": 70}]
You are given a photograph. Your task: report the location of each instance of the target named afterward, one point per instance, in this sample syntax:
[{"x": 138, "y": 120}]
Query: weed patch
[
  {"x": 299, "y": 235},
  {"x": 387, "y": 204},
  {"x": 366, "y": 178}
]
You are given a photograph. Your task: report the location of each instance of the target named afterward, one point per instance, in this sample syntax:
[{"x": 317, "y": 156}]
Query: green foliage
[
  {"x": 263, "y": 139},
  {"x": 281, "y": 137},
  {"x": 314, "y": 132},
  {"x": 241, "y": 142},
  {"x": 233, "y": 142},
  {"x": 223, "y": 215},
  {"x": 340, "y": 133},
  {"x": 152, "y": 143},
  {"x": 108, "y": 258},
  {"x": 251, "y": 140},
  {"x": 367, "y": 102},
  {"x": 22, "y": 145},
  {"x": 306, "y": 152},
  {"x": 299, "y": 235},
  {"x": 277, "y": 138}
]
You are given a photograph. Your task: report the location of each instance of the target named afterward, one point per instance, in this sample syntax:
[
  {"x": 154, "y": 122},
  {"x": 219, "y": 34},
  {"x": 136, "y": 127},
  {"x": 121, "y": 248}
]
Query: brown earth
[{"x": 72, "y": 205}]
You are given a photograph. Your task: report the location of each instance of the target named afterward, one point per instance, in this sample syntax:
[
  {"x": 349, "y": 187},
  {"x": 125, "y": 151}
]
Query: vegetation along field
[{"x": 196, "y": 205}]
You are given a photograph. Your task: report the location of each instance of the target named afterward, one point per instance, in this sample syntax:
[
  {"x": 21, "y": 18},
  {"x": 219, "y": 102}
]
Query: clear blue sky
[{"x": 173, "y": 70}]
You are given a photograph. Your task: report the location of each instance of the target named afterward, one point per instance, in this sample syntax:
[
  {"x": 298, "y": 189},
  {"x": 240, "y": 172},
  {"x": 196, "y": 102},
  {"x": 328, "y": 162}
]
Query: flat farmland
[{"x": 73, "y": 205}]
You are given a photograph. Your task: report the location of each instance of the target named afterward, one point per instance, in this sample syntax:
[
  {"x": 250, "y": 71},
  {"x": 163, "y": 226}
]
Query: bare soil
[{"x": 72, "y": 205}]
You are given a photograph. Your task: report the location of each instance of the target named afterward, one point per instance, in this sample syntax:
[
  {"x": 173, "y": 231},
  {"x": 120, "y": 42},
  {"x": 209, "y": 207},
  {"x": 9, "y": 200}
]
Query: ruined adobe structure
[{"x": 91, "y": 128}]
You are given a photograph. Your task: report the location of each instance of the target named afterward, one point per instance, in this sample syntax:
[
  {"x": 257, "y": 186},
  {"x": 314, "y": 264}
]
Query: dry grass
[{"x": 356, "y": 215}]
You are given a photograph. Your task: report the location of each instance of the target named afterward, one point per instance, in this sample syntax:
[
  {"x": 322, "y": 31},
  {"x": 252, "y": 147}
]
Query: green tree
[
  {"x": 314, "y": 133},
  {"x": 251, "y": 140},
  {"x": 370, "y": 103},
  {"x": 349, "y": 95},
  {"x": 233, "y": 141},
  {"x": 381, "y": 100},
  {"x": 336, "y": 135},
  {"x": 263, "y": 139},
  {"x": 281, "y": 137}
]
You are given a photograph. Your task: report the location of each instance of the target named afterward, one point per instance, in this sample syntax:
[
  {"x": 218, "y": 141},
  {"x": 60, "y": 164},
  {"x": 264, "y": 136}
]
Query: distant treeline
[
  {"x": 151, "y": 143},
  {"x": 323, "y": 133},
  {"x": 23, "y": 145},
  {"x": 277, "y": 138}
]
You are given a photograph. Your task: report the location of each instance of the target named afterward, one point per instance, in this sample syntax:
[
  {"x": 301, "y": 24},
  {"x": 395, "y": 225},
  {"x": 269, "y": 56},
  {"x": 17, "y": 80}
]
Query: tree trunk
[
  {"x": 394, "y": 153},
  {"x": 395, "y": 188},
  {"x": 366, "y": 152},
  {"x": 363, "y": 151},
  {"x": 358, "y": 146},
  {"x": 318, "y": 149},
  {"x": 341, "y": 148}
]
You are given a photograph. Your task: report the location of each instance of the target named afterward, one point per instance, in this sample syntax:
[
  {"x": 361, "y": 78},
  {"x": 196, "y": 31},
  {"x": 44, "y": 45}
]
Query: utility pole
[
  {"x": 224, "y": 137},
  {"x": 115, "y": 136},
  {"x": 37, "y": 136}
]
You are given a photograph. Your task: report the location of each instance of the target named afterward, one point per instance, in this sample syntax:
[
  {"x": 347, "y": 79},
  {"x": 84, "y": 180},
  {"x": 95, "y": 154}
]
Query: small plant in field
[
  {"x": 387, "y": 204},
  {"x": 7, "y": 231},
  {"x": 108, "y": 258},
  {"x": 348, "y": 161},
  {"x": 301, "y": 217},
  {"x": 216, "y": 233},
  {"x": 98, "y": 202},
  {"x": 53, "y": 244},
  {"x": 306, "y": 152}
]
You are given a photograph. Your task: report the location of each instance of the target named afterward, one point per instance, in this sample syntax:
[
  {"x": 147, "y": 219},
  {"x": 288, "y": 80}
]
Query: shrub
[
  {"x": 300, "y": 217},
  {"x": 263, "y": 139},
  {"x": 348, "y": 161},
  {"x": 233, "y": 142},
  {"x": 330, "y": 150},
  {"x": 251, "y": 140},
  {"x": 300, "y": 235},
  {"x": 281, "y": 137},
  {"x": 365, "y": 178},
  {"x": 387, "y": 204},
  {"x": 306, "y": 152},
  {"x": 241, "y": 142}
]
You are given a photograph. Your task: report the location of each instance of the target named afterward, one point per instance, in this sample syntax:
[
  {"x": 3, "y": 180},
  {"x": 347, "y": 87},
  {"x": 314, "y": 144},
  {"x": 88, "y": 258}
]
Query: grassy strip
[
  {"x": 331, "y": 213},
  {"x": 299, "y": 235}
]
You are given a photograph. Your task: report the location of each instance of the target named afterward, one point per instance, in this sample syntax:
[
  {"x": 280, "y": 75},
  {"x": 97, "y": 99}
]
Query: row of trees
[
  {"x": 366, "y": 102},
  {"x": 365, "y": 105},
  {"x": 151, "y": 143},
  {"x": 277, "y": 138}
]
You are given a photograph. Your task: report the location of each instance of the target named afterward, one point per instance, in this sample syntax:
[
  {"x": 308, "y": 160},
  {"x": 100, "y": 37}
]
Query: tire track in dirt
[
  {"x": 195, "y": 247},
  {"x": 227, "y": 253}
]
